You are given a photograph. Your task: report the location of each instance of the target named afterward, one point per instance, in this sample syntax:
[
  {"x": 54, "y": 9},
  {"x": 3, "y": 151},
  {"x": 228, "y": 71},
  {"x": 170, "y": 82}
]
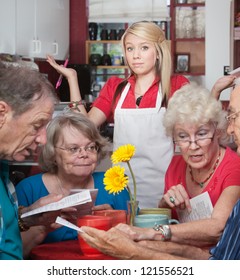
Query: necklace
[
  {"x": 201, "y": 184},
  {"x": 138, "y": 100}
]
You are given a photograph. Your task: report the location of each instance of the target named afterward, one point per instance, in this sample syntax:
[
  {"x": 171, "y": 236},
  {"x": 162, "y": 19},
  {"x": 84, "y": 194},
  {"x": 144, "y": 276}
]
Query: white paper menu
[
  {"x": 66, "y": 223},
  {"x": 201, "y": 209},
  {"x": 68, "y": 201}
]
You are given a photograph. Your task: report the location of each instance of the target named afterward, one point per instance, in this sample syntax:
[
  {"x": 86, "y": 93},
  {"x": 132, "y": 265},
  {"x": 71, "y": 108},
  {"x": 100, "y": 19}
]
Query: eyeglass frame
[
  {"x": 230, "y": 118},
  {"x": 195, "y": 141},
  {"x": 80, "y": 149}
]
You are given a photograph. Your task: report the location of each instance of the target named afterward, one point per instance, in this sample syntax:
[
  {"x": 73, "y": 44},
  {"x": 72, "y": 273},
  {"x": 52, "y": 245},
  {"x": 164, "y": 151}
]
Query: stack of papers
[{"x": 73, "y": 200}]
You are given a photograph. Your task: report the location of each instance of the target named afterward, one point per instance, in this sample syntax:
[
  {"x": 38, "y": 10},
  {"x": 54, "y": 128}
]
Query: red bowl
[
  {"x": 118, "y": 216},
  {"x": 99, "y": 222}
]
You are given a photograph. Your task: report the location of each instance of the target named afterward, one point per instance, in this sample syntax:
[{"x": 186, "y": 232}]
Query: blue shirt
[
  {"x": 32, "y": 188},
  {"x": 228, "y": 247},
  {"x": 10, "y": 238}
]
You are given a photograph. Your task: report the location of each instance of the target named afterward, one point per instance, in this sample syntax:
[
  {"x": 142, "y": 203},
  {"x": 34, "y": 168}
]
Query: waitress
[{"x": 136, "y": 105}]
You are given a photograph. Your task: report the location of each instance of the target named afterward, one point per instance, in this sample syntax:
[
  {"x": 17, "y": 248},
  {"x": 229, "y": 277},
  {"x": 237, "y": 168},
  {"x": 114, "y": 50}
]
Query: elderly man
[
  {"x": 27, "y": 101},
  {"x": 233, "y": 116},
  {"x": 125, "y": 242}
]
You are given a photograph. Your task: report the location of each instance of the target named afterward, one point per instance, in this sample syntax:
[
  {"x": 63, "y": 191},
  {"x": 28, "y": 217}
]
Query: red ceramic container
[
  {"x": 99, "y": 222},
  {"x": 118, "y": 216}
]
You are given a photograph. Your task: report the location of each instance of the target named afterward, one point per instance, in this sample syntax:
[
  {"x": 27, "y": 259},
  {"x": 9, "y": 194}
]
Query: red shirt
[
  {"x": 226, "y": 174},
  {"x": 104, "y": 101}
]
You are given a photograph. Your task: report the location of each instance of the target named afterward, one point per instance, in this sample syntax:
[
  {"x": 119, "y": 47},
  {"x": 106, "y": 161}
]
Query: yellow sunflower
[
  {"x": 115, "y": 180},
  {"x": 123, "y": 154}
]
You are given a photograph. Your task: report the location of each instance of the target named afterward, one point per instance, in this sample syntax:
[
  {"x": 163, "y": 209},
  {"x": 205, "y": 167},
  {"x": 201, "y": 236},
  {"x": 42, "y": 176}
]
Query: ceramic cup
[
  {"x": 118, "y": 216},
  {"x": 163, "y": 211},
  {"x": 150, "y": 220},
  {"x": 99, "y": 222}
]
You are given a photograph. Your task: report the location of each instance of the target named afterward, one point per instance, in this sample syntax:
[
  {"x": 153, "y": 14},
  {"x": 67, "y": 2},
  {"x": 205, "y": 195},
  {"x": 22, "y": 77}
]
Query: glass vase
[{"x": 132, "y": 211}]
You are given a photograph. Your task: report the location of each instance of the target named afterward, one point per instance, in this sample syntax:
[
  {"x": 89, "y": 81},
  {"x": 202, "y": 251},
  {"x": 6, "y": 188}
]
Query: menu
[
  {"x": 86, "y": 208},
  {"x": 78, "y": 200},
  {"x": 201, "y": 209}
]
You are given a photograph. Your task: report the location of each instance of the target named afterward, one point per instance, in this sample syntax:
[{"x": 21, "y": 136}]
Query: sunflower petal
[
  {"x": 123, "y": 153},
  {"x": 115, "y": 179}
]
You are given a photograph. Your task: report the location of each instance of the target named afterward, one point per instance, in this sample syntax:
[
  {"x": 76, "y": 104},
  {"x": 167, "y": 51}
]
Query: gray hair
[
  {"x": 21, "y": 88},
  {"x": 74, "y": 120},
  {"x": 194, "y": 104}
]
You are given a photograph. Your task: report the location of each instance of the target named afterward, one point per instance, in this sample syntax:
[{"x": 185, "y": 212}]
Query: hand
[
  {"x": 112, "y": 242},
  {"x": 66, "y": 72},
  {"x": 45, "y": 218},
  {"x": 222, "y": 84},
  {"x": 70, "y": 214},
  {"x": 136, "y": 233},
  {"x": 102, "y": 207},
  {"x": 176, "y": 197}
]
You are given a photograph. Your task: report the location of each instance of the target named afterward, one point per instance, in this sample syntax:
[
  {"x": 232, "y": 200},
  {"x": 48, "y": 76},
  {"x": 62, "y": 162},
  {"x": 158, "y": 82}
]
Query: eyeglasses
[
  {"x": 201, "y": 142},
  {"x": 74, "y": 151},
  {"x": 232, "y": 117}
]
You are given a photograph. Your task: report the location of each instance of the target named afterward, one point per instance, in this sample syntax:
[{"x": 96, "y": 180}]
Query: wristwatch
[{"x": 165, "y": 231}]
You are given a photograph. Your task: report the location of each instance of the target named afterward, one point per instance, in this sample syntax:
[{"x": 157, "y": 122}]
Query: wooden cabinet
[
  {"x": 109, "y": 59},
  {"x": 187, "y": 33},
  {"x": 37, "y": 27}
]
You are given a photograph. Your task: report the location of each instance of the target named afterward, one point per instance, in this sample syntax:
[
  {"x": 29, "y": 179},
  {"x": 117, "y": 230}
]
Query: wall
[
  {"x": 78, "y": 30},
  {"x": 218, "y": 41},
  {"x": 78, "y": 36}
]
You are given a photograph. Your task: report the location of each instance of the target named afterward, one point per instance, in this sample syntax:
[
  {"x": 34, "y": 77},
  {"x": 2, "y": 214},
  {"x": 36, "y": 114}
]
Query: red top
[
  {"x": 104, "y": 101},
  {"x": 226, "y": 174}
]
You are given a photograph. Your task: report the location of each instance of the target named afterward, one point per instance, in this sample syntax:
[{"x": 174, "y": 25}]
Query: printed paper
[{"x": 201, "y": 209}]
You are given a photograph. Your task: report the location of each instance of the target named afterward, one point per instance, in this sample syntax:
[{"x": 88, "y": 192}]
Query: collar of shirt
[{"x": 149, "y": 98}]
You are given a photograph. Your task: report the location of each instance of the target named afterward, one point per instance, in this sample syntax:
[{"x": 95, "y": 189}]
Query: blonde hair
[{"x": 153, "y": 33}]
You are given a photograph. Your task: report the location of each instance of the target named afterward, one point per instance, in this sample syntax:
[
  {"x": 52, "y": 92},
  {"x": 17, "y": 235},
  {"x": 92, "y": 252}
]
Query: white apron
[{"x": 143, "y": 128}]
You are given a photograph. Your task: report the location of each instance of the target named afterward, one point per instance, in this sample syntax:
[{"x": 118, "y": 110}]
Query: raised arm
[
  {"x": 95, "y": 115},
  {"x": 222, "y": 84}
]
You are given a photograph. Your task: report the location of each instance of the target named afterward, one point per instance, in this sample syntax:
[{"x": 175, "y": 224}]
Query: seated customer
[
  {"x": 202, "y": 131},
  {"x": 197, "y": 124},
  {"x": 73, "y": 149}
]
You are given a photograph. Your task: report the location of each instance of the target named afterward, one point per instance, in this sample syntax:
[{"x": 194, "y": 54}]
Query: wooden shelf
[
  {"x": 111, "y": 47},
  {"x": 111, "y": 67},
  {"x": 190, "y": 39},
  {"x": 194, "y": 47}
]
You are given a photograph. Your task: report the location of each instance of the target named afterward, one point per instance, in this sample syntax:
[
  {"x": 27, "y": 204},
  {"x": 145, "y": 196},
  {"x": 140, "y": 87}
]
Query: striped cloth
[{"x": 228, "y": 247}]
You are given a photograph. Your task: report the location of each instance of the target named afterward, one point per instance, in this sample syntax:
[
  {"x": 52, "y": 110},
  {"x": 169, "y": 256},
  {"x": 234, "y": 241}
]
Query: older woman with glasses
[
  {"x": 197, "y": 124},
  {"x": 69, "y": 158}
]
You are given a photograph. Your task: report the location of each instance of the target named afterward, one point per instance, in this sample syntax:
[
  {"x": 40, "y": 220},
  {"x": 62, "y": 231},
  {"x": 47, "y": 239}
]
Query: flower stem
[
  {"x": 134, "y": 182},
  {"x": 130, "y": 193}
]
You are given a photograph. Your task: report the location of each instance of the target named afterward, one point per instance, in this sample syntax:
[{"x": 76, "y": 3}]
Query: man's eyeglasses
[
  {"x": 232, "y": 117},
  {"x": 201, "y": 142},
  {"x": 74, "y": 151}
]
